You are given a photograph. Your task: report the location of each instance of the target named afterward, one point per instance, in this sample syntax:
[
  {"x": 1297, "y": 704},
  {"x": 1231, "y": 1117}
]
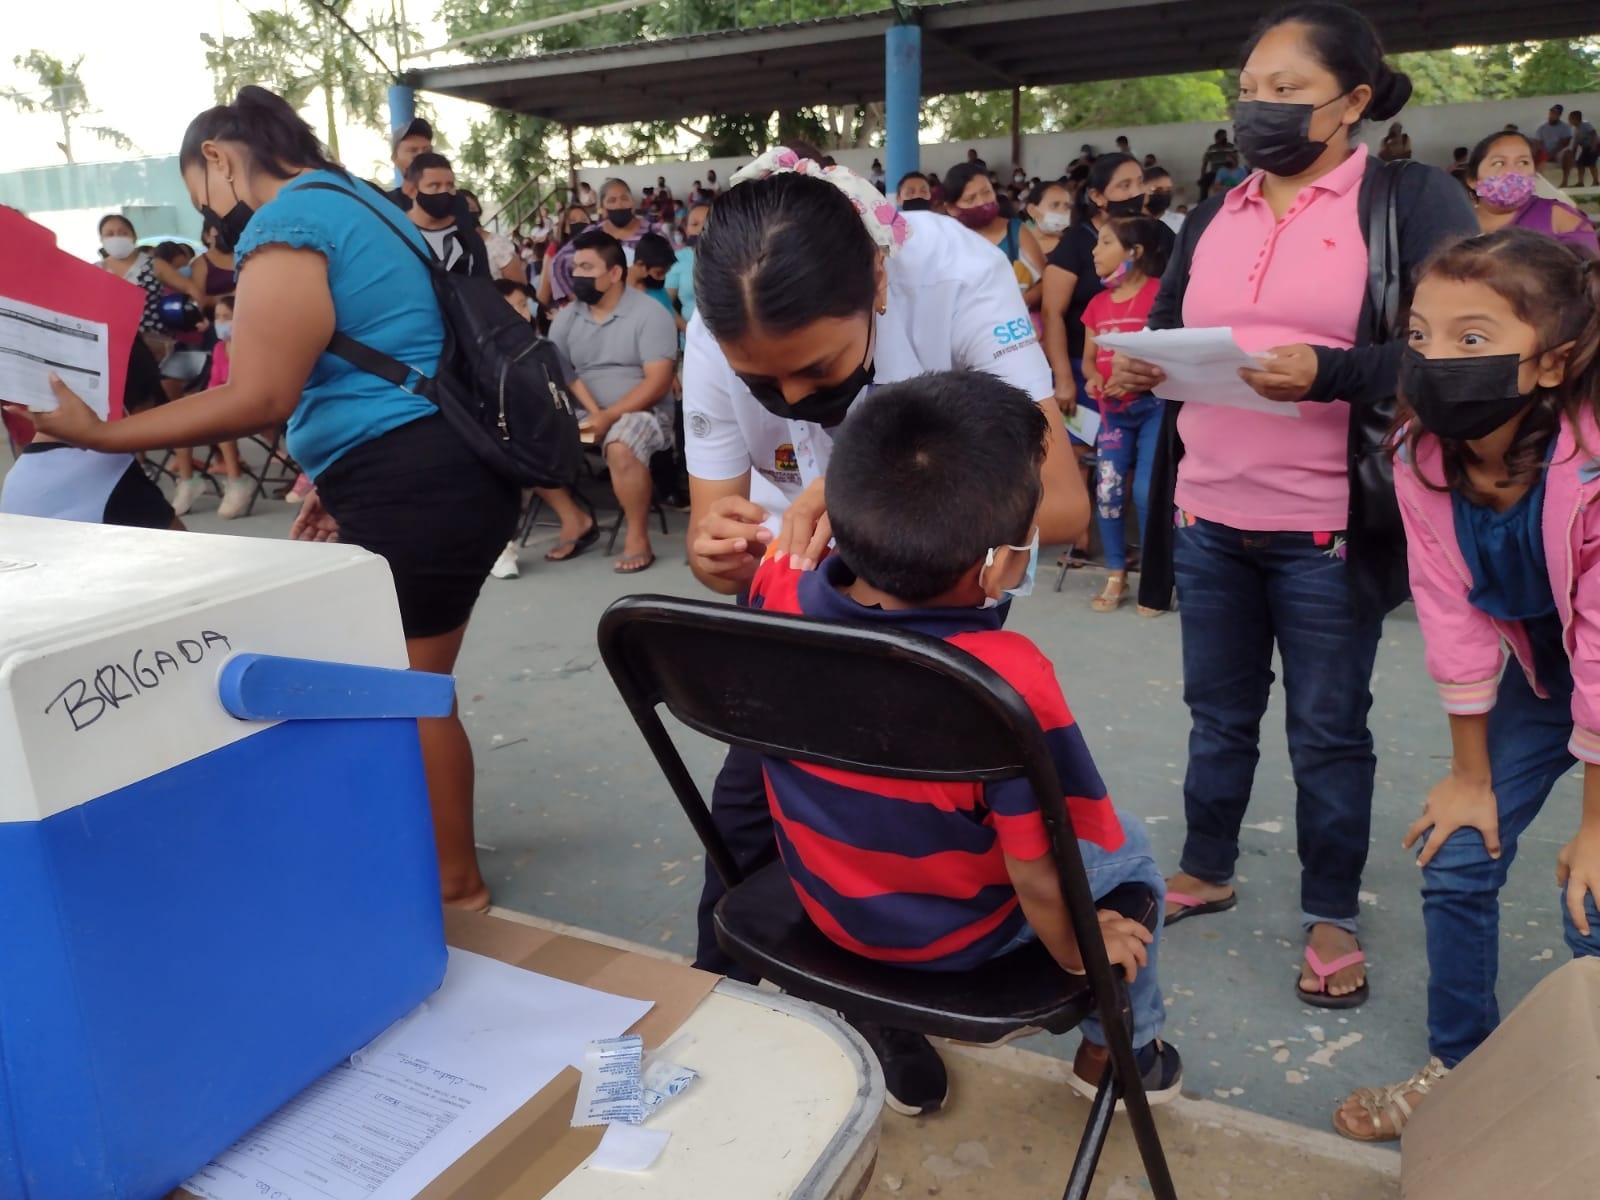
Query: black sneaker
[
  {"x": 913, "y": 1073},
  {"x": 1160, "y": 1066}
]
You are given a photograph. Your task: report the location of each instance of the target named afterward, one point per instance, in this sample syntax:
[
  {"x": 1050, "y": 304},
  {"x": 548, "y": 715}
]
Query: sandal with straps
[
  {"x": 1325, "y": 971},
  {"x": 1112, "y": 597},
  {"x": 1389, "y": 1103}
]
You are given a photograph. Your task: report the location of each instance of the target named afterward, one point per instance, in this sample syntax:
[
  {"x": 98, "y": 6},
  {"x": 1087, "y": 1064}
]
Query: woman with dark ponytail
[
  {"x": 391, "y": 475},
  {"x": 1286, "y": 529}
]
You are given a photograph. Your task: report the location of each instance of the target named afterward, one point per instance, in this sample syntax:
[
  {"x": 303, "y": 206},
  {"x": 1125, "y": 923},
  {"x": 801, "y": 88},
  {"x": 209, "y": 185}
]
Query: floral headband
[{"x": 882, "y": 219}]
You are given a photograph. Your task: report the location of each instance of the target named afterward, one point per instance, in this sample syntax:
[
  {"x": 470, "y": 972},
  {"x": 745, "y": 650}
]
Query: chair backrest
[{"x": 874, "y": 700}]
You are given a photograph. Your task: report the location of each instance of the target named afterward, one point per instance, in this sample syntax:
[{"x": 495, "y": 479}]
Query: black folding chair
[{"x": 893, "y": 704}]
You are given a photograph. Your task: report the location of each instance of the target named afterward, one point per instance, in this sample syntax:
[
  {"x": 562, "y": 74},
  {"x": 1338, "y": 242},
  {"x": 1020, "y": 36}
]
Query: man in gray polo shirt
[{"x": 624, "y": 347}]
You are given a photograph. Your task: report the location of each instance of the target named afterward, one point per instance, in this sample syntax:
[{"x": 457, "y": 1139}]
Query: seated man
[
  {"x": 623, "y": 348},
  {"x": 438, "y": 214},
  {"x": 932, "y": 490}
]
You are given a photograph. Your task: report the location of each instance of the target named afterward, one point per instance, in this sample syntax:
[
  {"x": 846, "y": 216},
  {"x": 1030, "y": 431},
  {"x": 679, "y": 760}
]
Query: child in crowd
[
  {"x": 1129, "y": 258},
  {"x": 932, "y": 490},
  {"x": 1499, "y": 486},
  {"x": 238, "y": 491}
]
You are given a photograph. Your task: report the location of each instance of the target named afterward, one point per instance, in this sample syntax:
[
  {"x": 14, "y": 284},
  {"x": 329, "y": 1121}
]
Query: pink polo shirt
[{"x": 1276, "y": 283}]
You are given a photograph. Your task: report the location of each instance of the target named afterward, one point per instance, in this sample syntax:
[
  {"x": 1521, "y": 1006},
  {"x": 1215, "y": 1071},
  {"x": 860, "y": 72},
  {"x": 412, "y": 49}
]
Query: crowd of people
[{"x": 877, "y": 409}]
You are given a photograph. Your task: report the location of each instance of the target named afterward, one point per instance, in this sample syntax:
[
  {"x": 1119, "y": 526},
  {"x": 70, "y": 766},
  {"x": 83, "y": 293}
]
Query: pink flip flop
[
  {"x": 1193, "y": 906},
  {"x": 1326, "y": 971}
]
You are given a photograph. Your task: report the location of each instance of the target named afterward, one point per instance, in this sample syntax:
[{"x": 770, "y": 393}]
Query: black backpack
[{"x": 498, "y": 383}]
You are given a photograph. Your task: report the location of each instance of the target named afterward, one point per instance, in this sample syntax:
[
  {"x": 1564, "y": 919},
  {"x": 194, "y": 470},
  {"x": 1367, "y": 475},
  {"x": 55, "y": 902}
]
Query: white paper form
[
  {"x": 425, "y": 1093},
  {"x": 35, "y": 341},
  {"x": 1202, "y": 366}
]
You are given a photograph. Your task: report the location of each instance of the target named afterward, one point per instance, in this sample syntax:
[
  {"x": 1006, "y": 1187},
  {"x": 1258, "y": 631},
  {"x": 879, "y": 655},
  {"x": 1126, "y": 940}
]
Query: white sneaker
[
  {"x": 505, "y": 567},
  {"x": 186, "y": 493},
  {"x": 236, "y": 497}
]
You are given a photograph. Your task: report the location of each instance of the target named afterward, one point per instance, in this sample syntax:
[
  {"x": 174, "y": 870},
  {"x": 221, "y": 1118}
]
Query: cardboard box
[
  {"x": 1520, "y": 1118},
  {"x": 534, "y": 1149}
]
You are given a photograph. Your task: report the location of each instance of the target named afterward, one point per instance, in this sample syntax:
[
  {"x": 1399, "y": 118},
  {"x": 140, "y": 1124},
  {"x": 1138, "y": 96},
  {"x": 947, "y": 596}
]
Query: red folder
[{"x": 35, "y": 271}]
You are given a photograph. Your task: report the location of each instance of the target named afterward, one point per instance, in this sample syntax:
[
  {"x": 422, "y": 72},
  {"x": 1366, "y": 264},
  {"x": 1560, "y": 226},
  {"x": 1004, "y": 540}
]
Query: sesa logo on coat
[{"x": 1013, "y": 335}]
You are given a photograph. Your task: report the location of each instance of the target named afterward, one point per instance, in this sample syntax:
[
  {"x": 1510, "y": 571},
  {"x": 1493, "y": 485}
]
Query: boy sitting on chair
[{"x": 932, "y": 487}]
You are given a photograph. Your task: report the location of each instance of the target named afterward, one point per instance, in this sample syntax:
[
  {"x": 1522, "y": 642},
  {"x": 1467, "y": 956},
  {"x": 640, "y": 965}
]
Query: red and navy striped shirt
[{"x": 910, "y": 872}]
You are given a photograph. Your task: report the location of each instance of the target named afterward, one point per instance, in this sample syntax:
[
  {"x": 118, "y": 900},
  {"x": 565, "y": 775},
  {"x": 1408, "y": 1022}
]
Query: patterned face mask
[{"x": 1511, "y": 190}]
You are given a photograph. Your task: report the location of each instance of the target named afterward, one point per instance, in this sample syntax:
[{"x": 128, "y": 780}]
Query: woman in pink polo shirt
[{"x": 1286, "y": 529}]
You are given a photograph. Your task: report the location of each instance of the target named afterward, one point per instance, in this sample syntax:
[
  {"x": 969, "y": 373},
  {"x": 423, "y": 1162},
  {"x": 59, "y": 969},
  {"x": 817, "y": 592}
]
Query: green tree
[
  {"x": 311, "y": 49},
  {"x": 61, "y": 92},
  {"x": 1157, "y": 100},
  {"x": 1560, "y": 68}
]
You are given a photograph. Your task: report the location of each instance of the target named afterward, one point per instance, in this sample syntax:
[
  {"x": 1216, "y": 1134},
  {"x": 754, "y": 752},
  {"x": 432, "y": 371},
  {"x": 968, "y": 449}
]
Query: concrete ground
[{"x": 576, "y": 825}]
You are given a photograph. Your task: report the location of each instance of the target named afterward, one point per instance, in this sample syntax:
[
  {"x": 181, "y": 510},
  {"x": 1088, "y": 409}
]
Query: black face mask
[
  {"x": 1158, "y": 202},
  {"x": 1462, "y": 398},
  {"x": 437, "y": 205},
  {"x": 1133, "y": 206},
  {"x": 917, "y": 204},
  {"x": 827, "y": 405},
  {"x": 586, "y": 290},
  {"x": 1277, "y": 137},
  {"x": 230, "y": 225},
  {"x": 620, "y": 217},
  {"x": 576, "y": 228}
]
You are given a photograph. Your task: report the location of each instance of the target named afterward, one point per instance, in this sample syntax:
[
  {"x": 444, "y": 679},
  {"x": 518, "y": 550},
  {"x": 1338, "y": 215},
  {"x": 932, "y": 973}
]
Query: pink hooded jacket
[{"x": 1465, "y": 646}]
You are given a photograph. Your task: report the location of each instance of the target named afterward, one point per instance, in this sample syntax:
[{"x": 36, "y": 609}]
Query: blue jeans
[
  {"x": 1126, "y": 445},
  {"x": 1238, "y": 593},
  {"x": 1108, "y": 870},
  {"x": 1461, "y": 886}
]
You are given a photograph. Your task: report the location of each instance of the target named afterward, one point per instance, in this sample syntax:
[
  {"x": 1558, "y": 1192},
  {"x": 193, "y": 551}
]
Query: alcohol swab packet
[
  {"x": 661, "y": 1081},
  {"x": 609, "y": 1090}
]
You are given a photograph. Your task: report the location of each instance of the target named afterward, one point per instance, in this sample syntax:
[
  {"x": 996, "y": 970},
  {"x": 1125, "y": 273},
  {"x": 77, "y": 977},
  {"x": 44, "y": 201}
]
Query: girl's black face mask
[{"x": 1463, "y": 399}]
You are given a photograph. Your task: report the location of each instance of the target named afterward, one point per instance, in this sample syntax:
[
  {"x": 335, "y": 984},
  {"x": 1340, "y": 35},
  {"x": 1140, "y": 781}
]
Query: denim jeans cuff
[
  {"x": 1348, "y": 924},
  {"x": 1206, "y": 862}
]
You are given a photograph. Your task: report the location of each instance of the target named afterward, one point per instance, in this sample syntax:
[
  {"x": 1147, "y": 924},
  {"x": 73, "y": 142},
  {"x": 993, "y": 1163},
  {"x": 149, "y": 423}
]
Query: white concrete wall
[{"x": 1434, "y": 133}]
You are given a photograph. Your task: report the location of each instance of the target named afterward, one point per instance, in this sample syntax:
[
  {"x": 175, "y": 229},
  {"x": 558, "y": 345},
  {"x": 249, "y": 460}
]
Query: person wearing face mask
[
  {"x": 1503, "y": 178},
  {"x": 392, "y": 475},
  {"x": 121, "y": 254},
  {"x": 978, "y": 208},
  {"x": 436, "y": 210},
  {"x": 1114, "y": 189},
  {"x": 621, "y": 220},
  {"x": 680, "y": 279},
  {"x": 555, "y": 281},
  {"x": 500, "y": 252},
  {"x": 1158, "y": 198},
  {"x": 811, "y": 289},
  {"x": 914, "y": 193},
  {"x": 1494, "y": 476},
  {"x": 653, "y": 257},
  {"x": 1049, "y": 209},
  {"x": 1285, "y": 529},
  {"x": 623, "y": 347}
]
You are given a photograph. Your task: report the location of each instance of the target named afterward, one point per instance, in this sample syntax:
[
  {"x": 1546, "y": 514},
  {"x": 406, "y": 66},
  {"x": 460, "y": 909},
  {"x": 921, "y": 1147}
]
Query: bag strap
[
  {"x": 358, "y": 354},
  {"x": 1383, "y": 250}
]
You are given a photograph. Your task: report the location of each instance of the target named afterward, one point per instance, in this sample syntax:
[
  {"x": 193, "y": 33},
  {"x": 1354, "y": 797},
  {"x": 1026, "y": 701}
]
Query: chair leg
[
  {"x": 1095, "y": 1131},
  {"x": 1147, "y": 1137}
]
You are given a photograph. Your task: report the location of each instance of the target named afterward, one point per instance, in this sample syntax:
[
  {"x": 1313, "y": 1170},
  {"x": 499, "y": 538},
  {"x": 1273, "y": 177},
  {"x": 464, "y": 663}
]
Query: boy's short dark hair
[
  {"x": 510, "y": 287},
  {"x": 653, "y": 250},
  {"x": 928, "y": 474}
]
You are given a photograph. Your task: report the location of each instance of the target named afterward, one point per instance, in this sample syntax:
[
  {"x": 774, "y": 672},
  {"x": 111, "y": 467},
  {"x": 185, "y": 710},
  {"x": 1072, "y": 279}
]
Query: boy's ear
[{"x": 1553, "y": 365}]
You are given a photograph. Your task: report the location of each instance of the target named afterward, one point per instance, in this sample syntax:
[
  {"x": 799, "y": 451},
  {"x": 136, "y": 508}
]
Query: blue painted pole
[
  {"x": 402, "y": 109},
  {"x": 903, "y": 106}
]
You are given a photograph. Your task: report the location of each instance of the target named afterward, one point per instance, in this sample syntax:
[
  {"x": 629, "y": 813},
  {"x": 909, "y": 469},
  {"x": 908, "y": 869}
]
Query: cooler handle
[{"x": 267, "y": 687}]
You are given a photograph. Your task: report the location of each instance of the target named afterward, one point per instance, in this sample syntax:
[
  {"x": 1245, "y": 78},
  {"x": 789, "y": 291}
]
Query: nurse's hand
[
  {"x": 1133, "y": 376},
  {"x": 73, "y": 421},
  {"x": 730, "y": 540},
  {"x": 1286, "y": 373},
  {"x": 806, "y": 532}
]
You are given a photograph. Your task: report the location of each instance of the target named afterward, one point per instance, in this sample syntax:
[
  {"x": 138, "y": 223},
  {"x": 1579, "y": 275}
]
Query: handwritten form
[
  {"x": 383, "y": 1126},
  {"x": 1202, "y": 367}
]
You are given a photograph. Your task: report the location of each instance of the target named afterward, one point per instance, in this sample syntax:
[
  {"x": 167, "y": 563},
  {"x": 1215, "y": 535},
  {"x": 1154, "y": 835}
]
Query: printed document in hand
[
  {"x": 1202, "y": 367},
  {"x": 383, "y": 1125},
  {"x": 35, "y": 341}
]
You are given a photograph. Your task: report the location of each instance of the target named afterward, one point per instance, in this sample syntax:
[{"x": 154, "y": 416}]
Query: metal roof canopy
[{"x": 967, "y": 46}]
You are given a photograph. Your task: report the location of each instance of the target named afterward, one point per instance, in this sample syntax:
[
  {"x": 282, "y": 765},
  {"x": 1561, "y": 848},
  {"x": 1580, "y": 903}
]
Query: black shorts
[{"x": 422, "y": 500}]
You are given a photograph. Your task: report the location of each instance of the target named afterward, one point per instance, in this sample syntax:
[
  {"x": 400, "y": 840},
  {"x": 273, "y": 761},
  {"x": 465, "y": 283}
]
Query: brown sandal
[
  {"x": 1389, "y": 1103},
  {"x": 1112, "y": 598}
]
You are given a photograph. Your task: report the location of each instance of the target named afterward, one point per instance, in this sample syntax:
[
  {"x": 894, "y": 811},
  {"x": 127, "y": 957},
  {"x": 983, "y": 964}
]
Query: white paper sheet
[
  {"x": 1084, "y": 424},
  {"x": 35, "y": 341},
  {"x": 629, "y": 1148},
  {"x": 1202, "y": 366},
  {"x": 424, "y": 1093}
]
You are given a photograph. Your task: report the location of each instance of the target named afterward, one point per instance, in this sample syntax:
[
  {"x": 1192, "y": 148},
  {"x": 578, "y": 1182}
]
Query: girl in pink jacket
[{"x": 1498, "y": 477}]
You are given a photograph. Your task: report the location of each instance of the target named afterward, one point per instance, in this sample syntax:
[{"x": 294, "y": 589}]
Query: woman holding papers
[{"x": 1286, "y": 530}]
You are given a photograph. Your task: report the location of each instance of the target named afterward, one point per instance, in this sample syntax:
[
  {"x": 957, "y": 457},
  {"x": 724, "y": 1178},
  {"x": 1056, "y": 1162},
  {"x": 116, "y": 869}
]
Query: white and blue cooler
[{"x": 217, "y": 873}]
